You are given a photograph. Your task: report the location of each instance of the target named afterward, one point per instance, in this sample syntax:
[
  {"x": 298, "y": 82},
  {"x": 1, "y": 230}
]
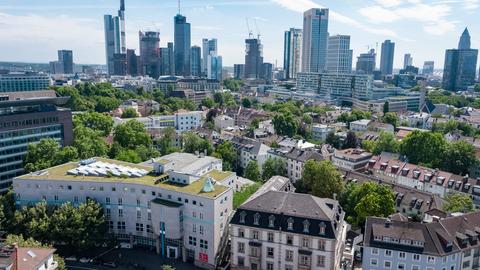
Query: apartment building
[
  {"x": 295, "y": 159},
  {"x": 249, "y": 150},
  {"x": 180, "y": 205},
  {"x": 181, "y": 121},
  {"x": 351, "y": 159},
  {"x": 26, "y": 258},
  {"x": 285, "y": 230}
]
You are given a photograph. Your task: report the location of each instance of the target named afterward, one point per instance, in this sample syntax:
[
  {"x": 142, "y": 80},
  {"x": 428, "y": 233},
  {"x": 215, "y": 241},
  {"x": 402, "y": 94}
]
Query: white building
[
  {"x": 181, "y": 207},
  {"x": 359, "y": 125},
  {"x": 320, "y": 132},
  {"x": 285, "y": 230},
  {"x": 250, "y": 150},
  {"x": 223, "y": 122},
  {"x": 181, "y": 121},
  {"x": 351, "y": 159}
]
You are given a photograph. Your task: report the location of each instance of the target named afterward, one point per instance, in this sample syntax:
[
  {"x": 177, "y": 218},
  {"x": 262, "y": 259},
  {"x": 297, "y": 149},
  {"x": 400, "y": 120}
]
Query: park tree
[
  {"x": 208, "y": 102},
  {"x": 228, "y": 154},
  {"x": 322, "y": 178},
  {"x": 458, "y": 202},
  {"x": 194, "y": 143},
  {"x": 285, "y": 124},
  {"x": 333, "y": 140},
  {"x": 390, "y": 118},
  {"x": 165, "y": 142},
  {"x": 386, "y": 143},
  {"x": 96, "y": 121},
  {"x": 386, "y": 107},
  {"x": 272, "y": 167},
  {"x": 89, "y": 143},
  {"x": 252, "y": 171},
  {"x": 424, "y": 147},
  {"x": 351, "y": 141},
  {"x": 48, "y": 153},
  {"x": 128, "y": 155},
  {"x": 129, "y": 113},
  {"x": 459, "y": 157},
  {"x": 246, "y": 102},
  {"x": 106, "y": 104},
  {"x": 131, "y": 134}
]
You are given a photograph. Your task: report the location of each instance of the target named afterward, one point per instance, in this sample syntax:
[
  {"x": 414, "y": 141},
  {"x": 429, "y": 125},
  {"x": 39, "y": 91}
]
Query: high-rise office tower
[
  {"x": 115, "y": 38},
  {"x": 267, "y": 72},
  {"x": 150, "y": 53},
  {"x": 214, "y": 67},
  {"x": 460, "y": 65},
  {"x": 292, "y": 53},
  {"x": 386, "y": 59},
  {"x": 428, "y": 67},
  {"x": 407, "y": 60},
  {"x": 339, "y": 55},
  {"x": 196, "y": 61},
  {"x": 238, "y": 71},
  {"x": 253, "y": 58},
  {"x": 167, "y": 66},
  {"x": 209, "y": 47},
  {"x": 120, "y": 64},
  {"x": 65, "y": 58},
  {"x": 132, "y": 63},
  {"x": 366, "y": 62},
  {"x": 315, "y": 40},
  {"x": 182, "y": 45}
]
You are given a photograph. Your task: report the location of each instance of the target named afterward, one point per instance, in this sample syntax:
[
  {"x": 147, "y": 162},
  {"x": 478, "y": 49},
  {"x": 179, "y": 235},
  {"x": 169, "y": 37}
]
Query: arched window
[
  {"x": 306, "y": 226},
  {"x": 256, "y": 219},
  {"x": 322, "y": 228},
  {"x": 242, "y": 217},
  {"x": 290, "y": 224},
  {"x": 271, "y": 221}
]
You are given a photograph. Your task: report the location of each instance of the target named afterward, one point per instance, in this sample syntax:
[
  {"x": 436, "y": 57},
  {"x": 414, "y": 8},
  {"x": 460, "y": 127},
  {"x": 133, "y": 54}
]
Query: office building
[
  {"x": 133, "y": 63},
  {"x": 286, "y": 230},
  {"x": 25, "y": 81},
  {"x": 267, "y": 72},
  {"x": 115, "y": 37},
  {"x": 339, "y": 55},
  {"x": 150, "y": 53},
  {"x": 428, "y": 67},
  {"x": 214, "y": 67},
  {"x": 195, "y": 61},
  {"x": 445, "y": 243},
  {"x": 460, "y": 67},
  {"x": 120, "y": 64},
  {"x": 238, "y": 71},
  {"x": 407, "y": 60},
  {"x": 386, "y": 59},
  {"x": 65, "y": 59},
  {"x": 28, "y": 117},
  {"x": 366, "y": 62},
  {"x": 292, "y": 53},
  {"x": 181, "y": 121},
  {"x": 315, "y": 40},
  {"x": 182, "y": 45},
  {"x": 209, "y": 47},
  {"x": 253, "y": 58},
  {"x": 167, "y": 66},
  {"x": 179, "y": 205}
]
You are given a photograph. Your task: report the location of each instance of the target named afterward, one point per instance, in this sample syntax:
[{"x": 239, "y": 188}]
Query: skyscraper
[
  {"x": 150, "y": 53},
  {"x": 196, "y": 61},
  {"x": 167, "y": 66},
  {"x": 386, "y": 60},
  {"x": 132, "y": 63},
  {"x": 214, "y": 67},
  {"x": 65, "y": 58},
  {"x": 120, "y": 64},
  {"x": 292, "y": 53},
  {"x": 253, "y": 58},
  {"x": 339, "y": 55},
  {"x": 115, "y": 38},
  {"x": 428, "y": 67},
  {"x": 182, "y": 45},
  {"x": 315, "y": 40},
  {"x": 407, "y": 60},
  {"x": 209, "y": 47},
  {"x": 366, "y": 62},
  {"x": 267, "y": 72},
  {"x": 238, "y": 71},
  {"x": 460, "y": 65}
]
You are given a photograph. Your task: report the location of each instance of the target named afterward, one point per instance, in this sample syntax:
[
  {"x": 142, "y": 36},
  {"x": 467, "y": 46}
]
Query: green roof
[{"x": 60, "y": 173}]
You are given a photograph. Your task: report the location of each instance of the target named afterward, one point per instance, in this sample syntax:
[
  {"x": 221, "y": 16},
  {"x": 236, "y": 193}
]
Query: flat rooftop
[{"x": 60, "y": 173}]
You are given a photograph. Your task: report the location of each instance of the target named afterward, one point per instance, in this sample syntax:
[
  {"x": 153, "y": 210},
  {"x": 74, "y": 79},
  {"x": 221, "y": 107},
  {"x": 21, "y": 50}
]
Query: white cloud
[{"x": 303, "y": 5}]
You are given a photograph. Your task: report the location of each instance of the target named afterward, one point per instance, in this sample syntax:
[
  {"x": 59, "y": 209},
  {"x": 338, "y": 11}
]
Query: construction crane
[
  {"x": 250, "y": 33},
  {"x": 256, "y": 27}
]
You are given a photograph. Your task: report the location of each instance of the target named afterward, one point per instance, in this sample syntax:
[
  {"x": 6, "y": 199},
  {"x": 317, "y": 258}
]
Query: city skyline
[{"x": 225, "y": 21}]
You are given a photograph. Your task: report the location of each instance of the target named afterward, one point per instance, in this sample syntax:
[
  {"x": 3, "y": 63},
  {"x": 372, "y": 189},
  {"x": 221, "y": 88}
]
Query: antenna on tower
[{"x": 179, "y": 7}]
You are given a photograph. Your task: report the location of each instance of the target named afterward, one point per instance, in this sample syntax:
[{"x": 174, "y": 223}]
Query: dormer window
[
  {"x": 256, "y": 219},
  {"x": 322, "y": 228},
  {"x": 242, "y": 217},
  {"x": 271, "y": 221},
  {"x": 306, "y": 226},
  {"x": 290, "y": 224}
]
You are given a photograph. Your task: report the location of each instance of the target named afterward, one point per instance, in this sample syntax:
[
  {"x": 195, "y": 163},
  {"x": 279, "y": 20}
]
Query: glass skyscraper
[
  {"x": 209, "y": 47},
  {"x": 182, "y": 45},
  {"x": 339, "y": 55},
  {"x": 115, "y": 37},
  {"x": 386, "y": 59},
  {"x": 196, "y": 61},
  {"x": 315, "y": 40},
  {"x": 292, "y": 53},
  {"x": 150, "y": 53},
  {"x": 253, "y": 58}
]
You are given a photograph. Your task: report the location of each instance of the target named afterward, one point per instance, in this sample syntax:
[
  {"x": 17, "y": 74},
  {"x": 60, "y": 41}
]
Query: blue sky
[{"x": 31, "y": 31}]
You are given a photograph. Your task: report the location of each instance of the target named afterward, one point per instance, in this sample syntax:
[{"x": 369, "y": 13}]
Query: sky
[{"x": 33, "y": 30}]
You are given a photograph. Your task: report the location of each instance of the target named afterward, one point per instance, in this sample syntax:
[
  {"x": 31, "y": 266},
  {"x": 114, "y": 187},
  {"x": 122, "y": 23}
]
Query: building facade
[
  {"x": 150, "y": 53},
  {"x": 182, "y": 45},
  {"x": 167, "y": 66},
  {"x": 292, "y": 53},
  {"x": 253, "y": 59},
  {"x": 407, "y": 60},
  {"x": 209, "y": 47},
  {"x": 428, "y": 67},
  {"x": 286, "y": 230},
  {"x": 315, "y": 40},
  {"x": 115, "y": 37},
  {"x": 181, "y": 121},
  {"x": 195, "y": 61},
  {"x": 20, "y": 82},
  {"x": 339, "y": 55},
  {"x": 366, "y": 62},
  {"x": 386, "y": 60}
]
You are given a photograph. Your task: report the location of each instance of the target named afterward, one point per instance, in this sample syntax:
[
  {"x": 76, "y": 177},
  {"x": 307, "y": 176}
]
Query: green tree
[
  {"x": 285, "y": 124},
  {"x": 228, "y": 154},
  {"x": 66, "y": 154},
  {"x": 167, "y": 267},
  {"x": 333, "y": 140},
  {"x": 128, "y": 155},
  {"x": 96, "y": 121},
  {"x": 194, "y": 143},
  {"x": 272, "y": 167},
  {"x": 458, "y": 202},
  {"x": 246, "y": 102},
  {"x": 129, "y": 113},
  {"x": 106, "y": 104},
  {"x": 323, "y": 178},
  {"x": 386, "y": 143},
  {"x": 390, "y": 118},
  {"x": 369, "y": 145},
  {"x": 232, "y": 84},
  {"x": 165, "y": 142},
  {"x": 208, "y": 102},
  {"x": 252, "y": 171},
  {"x": 40, "y": 156},
  {"x": 131, "y": 134},
  {"x": 89, "y": 143},
  {"x": 219, "y": 98},
  {"x": 7, "y": 211},
  {"x": 386, "y": 107},
  {"x": 459, "y": 157},
  {"x": 424, "y": 147},
  {"x": 240, "y": 197},
  {"x": 351, "y": 141}
]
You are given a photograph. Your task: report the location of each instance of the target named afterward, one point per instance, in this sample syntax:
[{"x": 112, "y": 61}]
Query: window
[
  {"x": 271, "y": 221},
  {"x": 289, "y": 239},
  {"x": 192, "y": 241},
  {"x": 402, "y": 255},
  {"x": 269, "y": 266},
  {"x": 110, "y": 225},
  {"x": 416, "y": 257},
  {"x": 120, "y": 201},
  {"x": 288, "y": 255},
  {"x": 203, "y": 244},
  {"x": 373, "y": 262},
  {"x": 254, "y": 251},
  {"x": 107, "y": 200},
  {"x": 108, "y": 212},
  {"x": 241, "y": 247},
  {"x": 270, "y": 237},
  {"x": 149, "y": 216},
  {"x": 121, "y": 225},
  {"x": 120, "y": 212},
  {"x": 241, "y": 261},
  {"x": 401, "y": 266},
  {"x": 201, "y": 229},
  {"x": 322, "y": 228},
  {"x": 242, "y": 216},
  {"x": 241, "y": 233},
  {"x": 255, "y": 235},
  {"x": 305, "y": 242},
  {"x": 139, "y": 227},
  {"x": 304, "y": 260},
  {"x": 388, "y": 253},
  {"x": 270, "y": 252},
  {"x": 256, "y": 219},
  {"x": 320, "y": 261},
  {"x": 306, "y": 226},
  {"x": 387, "y": 264},
  {"x": 321, "y": 244},
  {"x": 431, "y": 259},
  {"x": 290, "y": 224},
  {"x": 374, "y": 251},
  {"x": 149, "y": 229},
  {"x": 139, "y": 214},
  {"x": 415, "y": 267},
  {"x": 138, "y": 202},
  {"x": 194, "y": 228}
]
